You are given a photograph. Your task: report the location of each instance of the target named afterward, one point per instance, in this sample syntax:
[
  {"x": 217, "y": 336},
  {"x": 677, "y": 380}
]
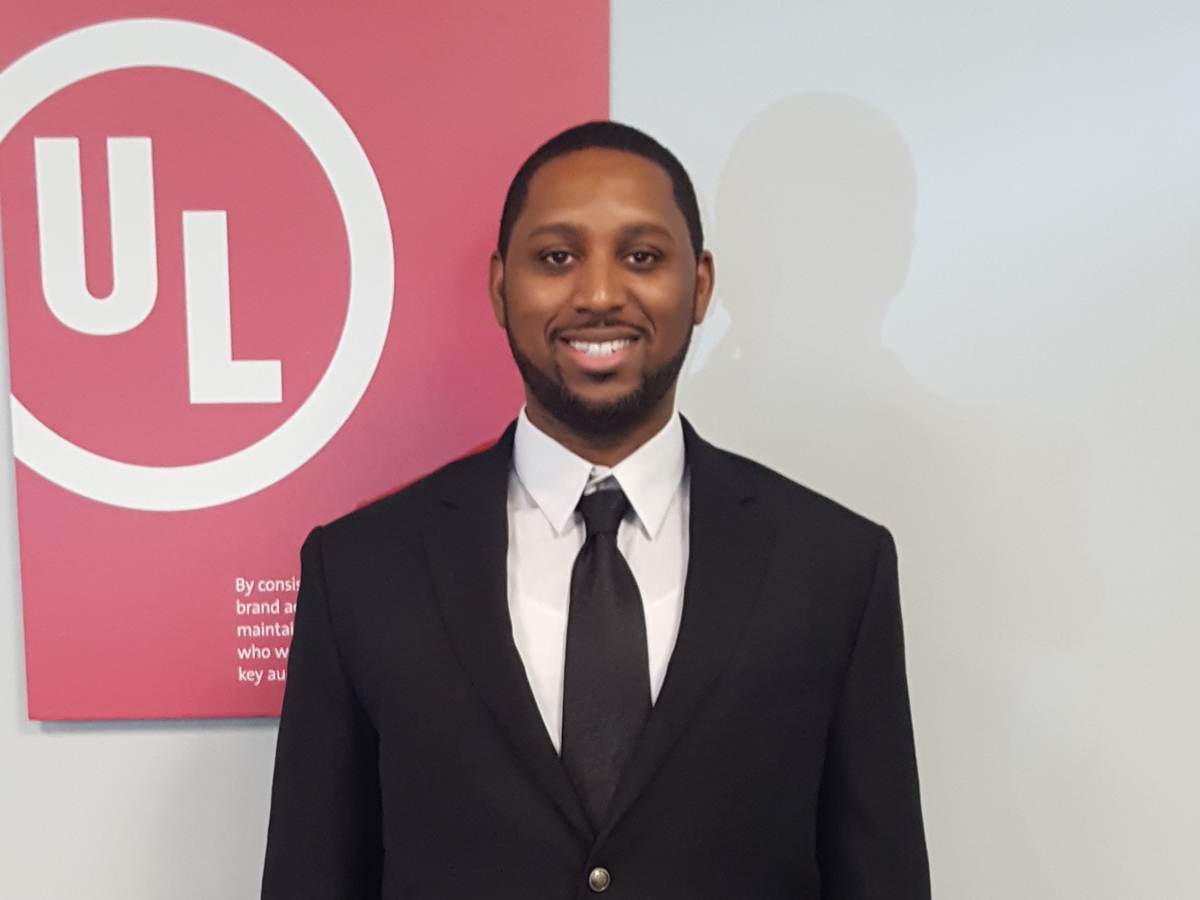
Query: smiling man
[{"x": 603, "y": 655}]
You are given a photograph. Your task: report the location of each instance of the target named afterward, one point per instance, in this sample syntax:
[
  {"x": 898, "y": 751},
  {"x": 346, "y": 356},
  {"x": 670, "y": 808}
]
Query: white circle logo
[{"x": 133, "y": 43}]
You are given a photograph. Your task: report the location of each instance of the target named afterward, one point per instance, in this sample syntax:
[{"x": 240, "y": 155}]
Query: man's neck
[{"x": 605, "y": 450}]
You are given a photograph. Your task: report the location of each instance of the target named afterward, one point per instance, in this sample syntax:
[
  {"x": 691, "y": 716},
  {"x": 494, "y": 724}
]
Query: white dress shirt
[{"x": 545, "y": 534}]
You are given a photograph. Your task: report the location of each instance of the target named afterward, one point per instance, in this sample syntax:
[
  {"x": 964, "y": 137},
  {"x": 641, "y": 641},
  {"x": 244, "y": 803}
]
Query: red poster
[{"x": 245, "y": 254}]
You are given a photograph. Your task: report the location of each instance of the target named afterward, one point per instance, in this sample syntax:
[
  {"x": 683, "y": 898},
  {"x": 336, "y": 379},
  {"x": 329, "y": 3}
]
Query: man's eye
[
  {"x": 642, "y": 258},
  {"x": 557, "y": 258}
]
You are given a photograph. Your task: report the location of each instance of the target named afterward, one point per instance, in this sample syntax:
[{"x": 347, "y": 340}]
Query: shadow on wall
[{"x": 813, "y": 238}]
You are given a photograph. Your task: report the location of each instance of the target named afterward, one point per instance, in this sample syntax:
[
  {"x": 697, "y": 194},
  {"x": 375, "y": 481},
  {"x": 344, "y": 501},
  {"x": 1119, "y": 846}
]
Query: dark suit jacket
[{"x": 777, "y": 762}]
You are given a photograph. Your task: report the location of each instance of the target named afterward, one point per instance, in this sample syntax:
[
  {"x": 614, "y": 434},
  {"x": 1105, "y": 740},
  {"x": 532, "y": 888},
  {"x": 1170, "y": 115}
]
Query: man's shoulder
[
  {"x": 791, "y": 503},
  {"x": 404, "y": 509}
]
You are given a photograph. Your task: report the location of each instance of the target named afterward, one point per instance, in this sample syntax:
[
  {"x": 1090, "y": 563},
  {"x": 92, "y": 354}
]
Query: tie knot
[{"x": 604, "y": 508}]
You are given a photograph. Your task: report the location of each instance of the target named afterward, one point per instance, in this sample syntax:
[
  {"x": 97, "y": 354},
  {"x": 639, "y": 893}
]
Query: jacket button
[{"x": 598, "y": 879}]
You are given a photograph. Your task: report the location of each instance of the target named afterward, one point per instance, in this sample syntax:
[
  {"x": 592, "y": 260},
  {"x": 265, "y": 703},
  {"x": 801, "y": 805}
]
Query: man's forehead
[{"x": 582, "y": 177}]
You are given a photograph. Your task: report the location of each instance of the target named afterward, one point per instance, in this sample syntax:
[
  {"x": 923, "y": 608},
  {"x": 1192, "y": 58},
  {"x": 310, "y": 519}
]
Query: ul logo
[
  {"x": 213, "y": 375},
  {"x": 145, "y": 260}
]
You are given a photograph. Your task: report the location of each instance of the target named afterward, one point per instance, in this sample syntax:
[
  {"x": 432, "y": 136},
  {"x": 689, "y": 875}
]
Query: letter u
[{"x": 60, "y": 234}]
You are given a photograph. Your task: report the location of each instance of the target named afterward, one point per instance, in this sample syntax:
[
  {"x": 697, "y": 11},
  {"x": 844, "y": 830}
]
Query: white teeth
[{"x": 604, "y": 348}]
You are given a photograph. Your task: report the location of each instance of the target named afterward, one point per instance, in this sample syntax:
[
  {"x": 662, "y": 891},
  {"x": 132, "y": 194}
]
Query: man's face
[{"x": 599, "y": 290}]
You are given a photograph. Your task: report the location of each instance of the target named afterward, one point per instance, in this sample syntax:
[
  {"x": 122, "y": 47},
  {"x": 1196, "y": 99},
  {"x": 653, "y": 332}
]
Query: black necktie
[{"x": 606, "y": 679}]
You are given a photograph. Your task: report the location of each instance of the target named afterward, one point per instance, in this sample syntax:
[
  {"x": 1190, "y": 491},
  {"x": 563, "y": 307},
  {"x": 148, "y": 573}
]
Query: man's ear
[
  {"x": 706, "y": 277},
  {"x": 496, "y": 287}
]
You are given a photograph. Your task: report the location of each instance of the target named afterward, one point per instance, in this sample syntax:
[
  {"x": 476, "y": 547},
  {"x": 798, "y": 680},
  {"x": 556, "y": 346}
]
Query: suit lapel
[
  {"x": 466, "y": 545},
  {"x": 728, "y": 547}
]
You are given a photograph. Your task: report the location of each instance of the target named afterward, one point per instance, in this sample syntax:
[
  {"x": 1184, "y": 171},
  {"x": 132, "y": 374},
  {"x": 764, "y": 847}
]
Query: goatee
[{"x": 608, "y": 420}]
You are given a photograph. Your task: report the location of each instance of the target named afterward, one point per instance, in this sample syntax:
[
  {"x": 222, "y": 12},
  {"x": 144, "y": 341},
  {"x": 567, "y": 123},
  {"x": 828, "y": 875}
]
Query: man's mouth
[
  {"x": 599, "y": 356},
  {"x": 600, "y": 348}
]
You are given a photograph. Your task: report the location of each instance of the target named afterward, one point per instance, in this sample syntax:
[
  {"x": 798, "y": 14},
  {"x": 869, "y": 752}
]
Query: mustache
[{"x": 596, "y": 322}]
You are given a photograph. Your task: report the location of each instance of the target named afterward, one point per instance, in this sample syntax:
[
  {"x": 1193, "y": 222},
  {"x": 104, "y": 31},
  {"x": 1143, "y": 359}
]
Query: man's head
[{"x": 599, "y": 277}]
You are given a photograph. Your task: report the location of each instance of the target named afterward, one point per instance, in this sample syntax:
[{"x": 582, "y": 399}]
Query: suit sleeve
[
  {"x": 323, "y": 839},
  {"x": 870, "y": 834}
]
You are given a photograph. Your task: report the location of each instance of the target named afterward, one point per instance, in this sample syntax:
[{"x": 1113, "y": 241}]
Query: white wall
[
  {"x": 958, "y": 266},
  {"x": 957, "y": 252}
]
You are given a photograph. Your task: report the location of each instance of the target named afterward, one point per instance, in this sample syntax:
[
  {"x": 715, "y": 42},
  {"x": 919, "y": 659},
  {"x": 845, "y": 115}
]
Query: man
[{"x": 602, "y": 656}]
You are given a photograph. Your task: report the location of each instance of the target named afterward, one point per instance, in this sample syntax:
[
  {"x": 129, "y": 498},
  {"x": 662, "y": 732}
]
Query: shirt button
[{"x": 598, "y": 879}]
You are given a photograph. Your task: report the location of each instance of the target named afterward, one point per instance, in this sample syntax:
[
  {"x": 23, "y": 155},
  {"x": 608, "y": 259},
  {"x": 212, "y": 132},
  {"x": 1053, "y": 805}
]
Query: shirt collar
[{"x": 555, "y": 476}]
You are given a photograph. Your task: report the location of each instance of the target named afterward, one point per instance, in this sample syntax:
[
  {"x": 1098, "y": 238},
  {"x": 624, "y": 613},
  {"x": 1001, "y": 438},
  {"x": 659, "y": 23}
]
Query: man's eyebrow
[
  {"x": 556, "y": 228},
  {"x": 639, "y": 228}
]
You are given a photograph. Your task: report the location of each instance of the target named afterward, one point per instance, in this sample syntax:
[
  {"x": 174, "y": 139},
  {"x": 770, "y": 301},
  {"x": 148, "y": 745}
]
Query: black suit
[{"x": 777, "y": 761}]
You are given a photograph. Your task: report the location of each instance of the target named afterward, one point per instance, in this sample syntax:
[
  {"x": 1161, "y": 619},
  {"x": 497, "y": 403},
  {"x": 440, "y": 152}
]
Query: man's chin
[
  {"x": 606, "y": 417},
  {"x": 602, "y": 403}
]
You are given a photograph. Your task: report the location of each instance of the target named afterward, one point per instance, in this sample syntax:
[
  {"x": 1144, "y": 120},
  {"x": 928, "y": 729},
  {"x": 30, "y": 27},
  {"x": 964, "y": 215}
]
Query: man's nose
[{"x": 599, "y": 286}]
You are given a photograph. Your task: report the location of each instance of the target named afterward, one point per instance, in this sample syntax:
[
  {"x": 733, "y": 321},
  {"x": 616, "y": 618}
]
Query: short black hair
[{"x": 610, "y": 136}]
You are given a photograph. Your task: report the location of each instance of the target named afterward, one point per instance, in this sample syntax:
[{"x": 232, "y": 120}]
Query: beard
[{"x": 606, "y": 420}]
